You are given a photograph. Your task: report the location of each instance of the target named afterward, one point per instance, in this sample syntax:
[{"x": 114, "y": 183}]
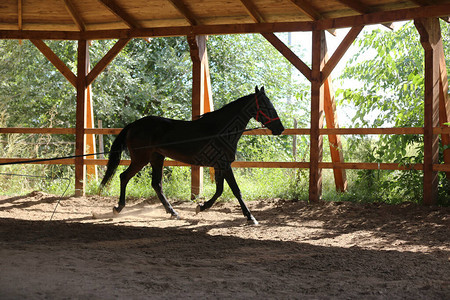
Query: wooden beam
[
  {"x": 430, "y": 36},
  {"x": 248, "y": 164},
  {"x": 89, "y": 139},
  {"x": 75, "y": 15},
  {"x": 380, "y": 17},
  {"x": 288, "y": 54},
  {"x": 311, "y": 12},
  {"x": 306, "y": 8},
  {"x": 317, "y": 115},
  {"x": 445, "y": 19},
  {"x": 253, "y": 11},
  {"x": 55, "y": 60},
  {"x": 184, "y": 11},
  {"x": 356, "y": 5},
  {"x": 82, "y": 67},
  {"x": 101, "y": 65},
  {"x": 363, "y": 9},
  {"x": 323, "y": 24},
  {"x": 340, "y": 51},
  {"x": 336, "y": 149},
  {"x": 422, "y": 2},
  {"x": 120, "y": 13},
  {"x": 198, "y": 50},
  {"x": 270, "y": 164},
  {"x": 19, "y": 14},
  {"x": 444, "y": 103},
  {"x": 263, "y": 131}
]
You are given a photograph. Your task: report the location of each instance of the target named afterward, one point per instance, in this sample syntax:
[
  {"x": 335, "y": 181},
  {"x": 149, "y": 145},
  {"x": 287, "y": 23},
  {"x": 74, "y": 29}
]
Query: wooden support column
[
  {"x": 201, "y": 97},
  {"x": 82, "y": 67},
  {"x": 444, "y": 102},
  {"x": 430, "y": 37},
  {"x": 89, "y": 139},
  {"x": 84, "y": 113},
  {"x": 336, "y": 151},
  {"x": 317, "y": 115}
]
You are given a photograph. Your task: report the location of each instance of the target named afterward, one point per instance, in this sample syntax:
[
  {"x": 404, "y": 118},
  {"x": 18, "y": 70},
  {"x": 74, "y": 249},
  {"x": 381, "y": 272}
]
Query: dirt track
[{"x": 303, "y": 251}]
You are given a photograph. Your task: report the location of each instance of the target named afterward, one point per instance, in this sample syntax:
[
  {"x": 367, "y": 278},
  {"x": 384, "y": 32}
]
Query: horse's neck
[{"x": 238, "y": 114}]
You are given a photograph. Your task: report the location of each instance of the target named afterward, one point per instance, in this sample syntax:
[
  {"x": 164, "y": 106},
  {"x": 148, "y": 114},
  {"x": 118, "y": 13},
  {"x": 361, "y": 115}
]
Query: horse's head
[{"x": 266, "y": 113}]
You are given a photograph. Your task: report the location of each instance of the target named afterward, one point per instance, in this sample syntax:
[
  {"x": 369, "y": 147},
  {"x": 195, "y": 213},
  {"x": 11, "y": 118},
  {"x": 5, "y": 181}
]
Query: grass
[{"x": 253, "y": 183}]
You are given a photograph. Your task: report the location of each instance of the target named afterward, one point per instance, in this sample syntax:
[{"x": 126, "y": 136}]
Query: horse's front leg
[
  {"x": 229, "y": 176},
  {"x": 219, "y": 176}
]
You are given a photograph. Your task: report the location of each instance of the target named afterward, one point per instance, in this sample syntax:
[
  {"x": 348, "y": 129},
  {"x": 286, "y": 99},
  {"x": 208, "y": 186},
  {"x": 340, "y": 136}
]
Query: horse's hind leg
[
  {"x": 229, "y": 176},
  {"x": 124, "y": 179},
  {"x": 219, "y": 176},
  {"x": 157, "y": 163}
]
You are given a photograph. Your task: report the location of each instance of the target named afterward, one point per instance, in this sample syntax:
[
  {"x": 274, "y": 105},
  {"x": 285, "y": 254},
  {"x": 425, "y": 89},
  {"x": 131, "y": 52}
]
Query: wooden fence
[{"x": 252, "y": 164}]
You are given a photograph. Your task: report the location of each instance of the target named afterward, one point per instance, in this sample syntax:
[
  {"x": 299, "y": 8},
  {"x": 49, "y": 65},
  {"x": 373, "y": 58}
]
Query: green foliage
[
  {"x": 155, "y": 79},
  {"x": 146, "y": 78},
  {"x": 389, "y": 68}
]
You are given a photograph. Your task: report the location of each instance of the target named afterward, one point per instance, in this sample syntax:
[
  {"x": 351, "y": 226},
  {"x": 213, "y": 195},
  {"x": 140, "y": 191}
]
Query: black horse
[{"x": 209, "y": 141}]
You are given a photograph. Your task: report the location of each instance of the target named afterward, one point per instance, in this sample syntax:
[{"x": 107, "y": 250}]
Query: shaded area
[{"x": 325, "y": 250}]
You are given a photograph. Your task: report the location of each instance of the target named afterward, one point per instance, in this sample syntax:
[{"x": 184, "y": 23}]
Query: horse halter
[{"x": 260, "y": 112}]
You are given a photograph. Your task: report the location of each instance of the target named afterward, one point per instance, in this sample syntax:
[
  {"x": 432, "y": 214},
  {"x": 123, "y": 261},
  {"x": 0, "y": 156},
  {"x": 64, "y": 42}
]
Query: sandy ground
[{"x": 299, "y": 251}]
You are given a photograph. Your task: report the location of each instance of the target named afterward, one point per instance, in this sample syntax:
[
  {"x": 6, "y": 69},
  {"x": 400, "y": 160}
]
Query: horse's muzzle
[{"x": 277, "y": 131}]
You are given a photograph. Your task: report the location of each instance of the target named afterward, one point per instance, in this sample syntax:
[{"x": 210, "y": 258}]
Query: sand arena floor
[{"x": 300, "y": 250}]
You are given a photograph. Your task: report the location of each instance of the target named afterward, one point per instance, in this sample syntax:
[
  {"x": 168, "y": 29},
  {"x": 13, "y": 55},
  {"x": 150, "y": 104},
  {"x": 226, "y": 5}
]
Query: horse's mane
[{"x": 227, "y": 107}]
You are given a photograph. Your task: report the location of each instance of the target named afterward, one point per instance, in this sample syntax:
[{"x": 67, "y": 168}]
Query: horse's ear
[
  {"x": 262, "y": 90},
  {"x": 256, "y": 89}
]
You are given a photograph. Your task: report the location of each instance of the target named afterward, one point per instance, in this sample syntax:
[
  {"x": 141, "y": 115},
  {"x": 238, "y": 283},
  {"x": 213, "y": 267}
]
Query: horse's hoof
[
  {"x": 117, "y": 210},
  {"x": 175, "y": 216},
  {"x": 198, "y": 209},
  {"x": 252, "y": 221}
]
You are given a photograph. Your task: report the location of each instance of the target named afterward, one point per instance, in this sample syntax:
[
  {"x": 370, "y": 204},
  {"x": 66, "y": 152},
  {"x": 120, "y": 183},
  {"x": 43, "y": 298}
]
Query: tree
[{"x": 390, "y": 93}]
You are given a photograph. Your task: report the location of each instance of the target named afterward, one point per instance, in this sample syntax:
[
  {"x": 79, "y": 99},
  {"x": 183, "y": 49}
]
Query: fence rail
[
  {"x": 299, "y": 131},
  {"x": 250, "y": 164}
]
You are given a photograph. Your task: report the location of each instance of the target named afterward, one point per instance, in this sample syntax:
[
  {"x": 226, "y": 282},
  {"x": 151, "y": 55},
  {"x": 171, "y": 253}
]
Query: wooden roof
[{"x": 98, "y": 19}]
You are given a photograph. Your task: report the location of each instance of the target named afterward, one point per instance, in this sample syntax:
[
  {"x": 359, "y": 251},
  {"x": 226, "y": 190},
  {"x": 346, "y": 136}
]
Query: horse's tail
[{"x": 115, "y": 155}]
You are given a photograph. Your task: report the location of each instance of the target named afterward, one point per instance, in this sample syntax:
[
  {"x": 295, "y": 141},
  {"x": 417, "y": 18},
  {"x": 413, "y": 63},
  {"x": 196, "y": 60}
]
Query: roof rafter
[
  {"x": 253, "y": 11},
  {"x": 119, "y": 12},
  {"x": 184, "y": 11},
  {"x": 356, "y": 5},
  {"x": 75, "y": 15},
  {"x": 422, "y": 2},
  {"x": 311, "y": 12},
  {"x": 324, "y": 24},
  {"x": 306, "y": 8}
]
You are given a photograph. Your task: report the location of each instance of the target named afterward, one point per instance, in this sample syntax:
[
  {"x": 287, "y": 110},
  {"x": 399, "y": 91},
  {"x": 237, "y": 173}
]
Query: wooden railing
[{"x": 251, "y": 164}]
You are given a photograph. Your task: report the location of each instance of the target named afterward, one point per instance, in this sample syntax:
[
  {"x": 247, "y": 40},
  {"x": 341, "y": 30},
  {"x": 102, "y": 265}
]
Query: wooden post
[
  {"x": 84, "y": 112},
  {"x": 336, "y": 151},
  {"x": 444, "y": 102},
  {"x": 201, "y": 97},
  {"x": 100, "y": 141},
  {"x": 317, "y": 115},
  {"x": 334, "y": 140},
  {"x": 82, "y": 67},
  {"x": 89, "y": 139},
  {"x": 430, "y": 37}
]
